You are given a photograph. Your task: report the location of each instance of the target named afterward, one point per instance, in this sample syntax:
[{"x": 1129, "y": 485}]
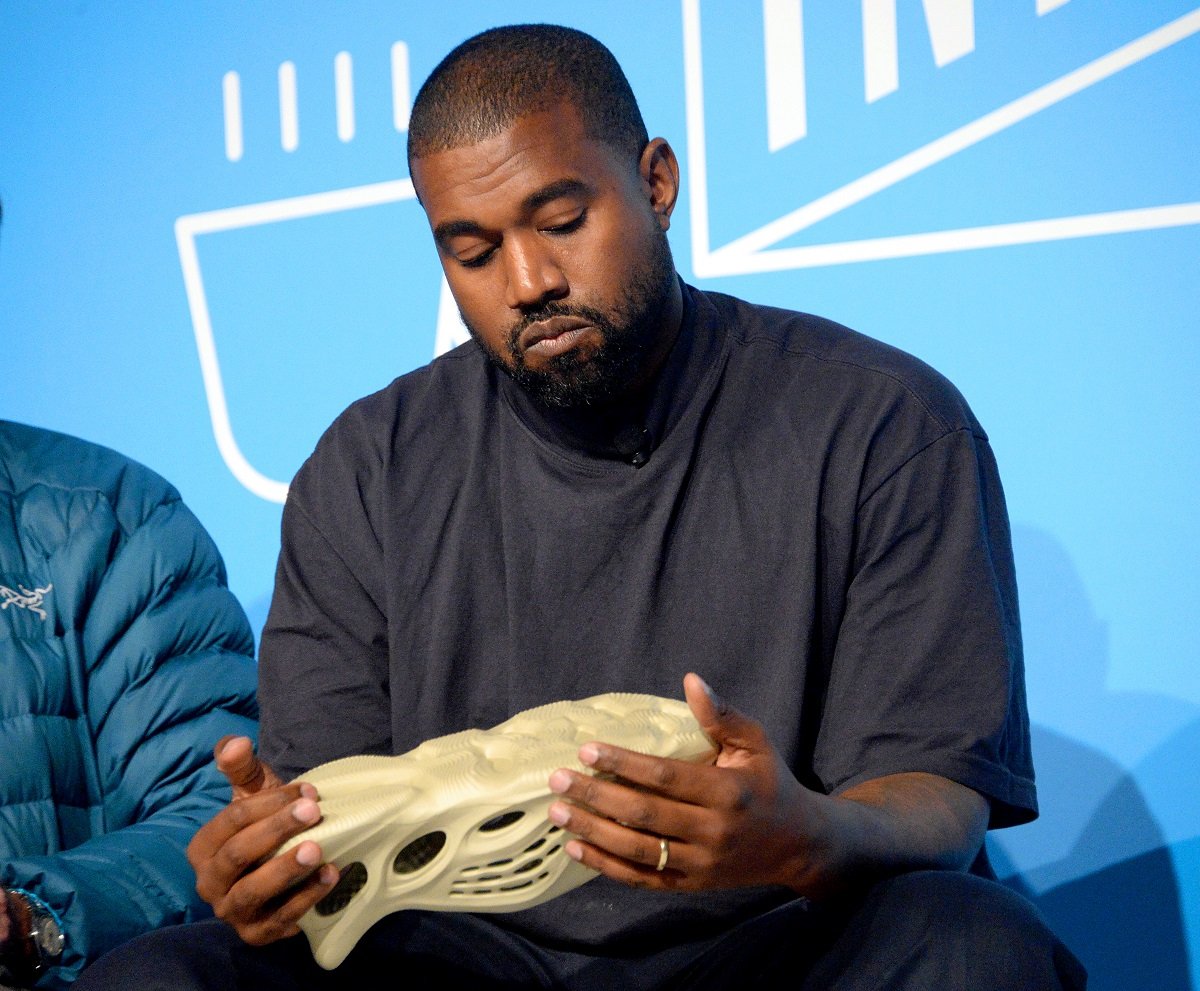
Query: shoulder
[
  {"x": 837, "y": 365},
  {"x": 50, "y": 469},
  {"x": 409, "y": 420}
]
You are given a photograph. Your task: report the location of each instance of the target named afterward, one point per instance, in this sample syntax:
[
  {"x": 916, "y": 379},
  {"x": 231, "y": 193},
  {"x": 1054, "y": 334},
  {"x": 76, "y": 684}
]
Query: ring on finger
[{"x": 664, "y": 854}]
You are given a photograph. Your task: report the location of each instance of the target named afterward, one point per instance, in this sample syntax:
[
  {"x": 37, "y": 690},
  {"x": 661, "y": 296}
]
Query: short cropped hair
[{"x": 500, "y": 75}]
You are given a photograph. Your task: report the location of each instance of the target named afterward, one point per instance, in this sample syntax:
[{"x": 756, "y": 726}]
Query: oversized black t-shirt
[{"x": 809, "y": 519}]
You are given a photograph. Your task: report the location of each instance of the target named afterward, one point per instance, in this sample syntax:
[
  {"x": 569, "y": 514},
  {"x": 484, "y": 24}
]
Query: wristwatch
[{"x": 39, "y": 940}]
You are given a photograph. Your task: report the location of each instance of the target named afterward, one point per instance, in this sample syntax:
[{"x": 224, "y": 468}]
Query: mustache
[{"x": 555, "y": 308}]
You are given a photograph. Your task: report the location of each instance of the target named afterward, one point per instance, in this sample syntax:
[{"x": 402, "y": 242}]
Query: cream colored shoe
[{"x": 459, "y": 823}]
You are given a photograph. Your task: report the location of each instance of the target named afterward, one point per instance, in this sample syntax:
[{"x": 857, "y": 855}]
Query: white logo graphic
[
  {"x": 189, "y": 228},
  {"x": 24, "y": 598},
  {"x": 289, "y": 113},
  {"x": 951, "y": 28}
]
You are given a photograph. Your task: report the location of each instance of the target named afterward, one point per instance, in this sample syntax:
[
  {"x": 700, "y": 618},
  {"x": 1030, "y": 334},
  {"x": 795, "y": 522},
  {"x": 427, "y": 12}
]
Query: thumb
[
  {"x": 728, "y": 728},
  {"x": 237, "y": 760}
]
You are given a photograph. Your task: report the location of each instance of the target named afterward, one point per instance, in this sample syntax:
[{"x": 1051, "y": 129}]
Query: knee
[
  {"x": 958, "y": 930},
  {"x": 127, "y": 965},
  {"x": 949, "y": 902},
  {"x": 175, "y": 958}
]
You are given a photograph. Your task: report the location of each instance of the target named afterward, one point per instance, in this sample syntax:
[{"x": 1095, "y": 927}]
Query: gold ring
[{"x": 664, "y": 853}]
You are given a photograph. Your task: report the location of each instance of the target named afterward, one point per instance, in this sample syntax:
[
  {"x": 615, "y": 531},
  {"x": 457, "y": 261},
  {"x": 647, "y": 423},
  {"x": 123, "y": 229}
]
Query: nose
[{"x": 533, "y": 273}]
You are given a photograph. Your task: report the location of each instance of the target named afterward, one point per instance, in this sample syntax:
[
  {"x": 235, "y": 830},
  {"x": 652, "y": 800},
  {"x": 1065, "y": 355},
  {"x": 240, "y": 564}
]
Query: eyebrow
[
  {"x": 556, "y": 190},
  {"x": 534, "y": 201}
]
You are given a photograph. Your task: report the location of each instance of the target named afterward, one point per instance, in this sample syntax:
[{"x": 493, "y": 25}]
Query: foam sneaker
[{"x": 459, "y": 823}]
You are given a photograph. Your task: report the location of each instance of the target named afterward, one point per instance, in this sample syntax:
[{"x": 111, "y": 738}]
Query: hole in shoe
[
  {"x": 502, "y": 821},
  {"x": 419, "y": 852},
  {"x": 349, "y": 884}
]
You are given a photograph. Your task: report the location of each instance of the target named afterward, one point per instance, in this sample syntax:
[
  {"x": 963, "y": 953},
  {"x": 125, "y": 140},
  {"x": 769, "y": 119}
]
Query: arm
[
  {"x": 323, "y": 675},
  {"x": 745, "y": 820},
  {"x": 168, "y": 656},
  {"x": 323, "y": 685}
]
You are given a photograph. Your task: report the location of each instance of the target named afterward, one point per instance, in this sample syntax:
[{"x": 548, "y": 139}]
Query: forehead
[{"x": 492, "y": 181}]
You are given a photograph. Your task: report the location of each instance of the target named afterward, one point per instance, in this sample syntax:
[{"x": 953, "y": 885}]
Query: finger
[
  {"x": 728, "y": 728},
  {"x": 632, "y": 807},
  {"x": 237, "y": 816},
  {"x": 299, "y": 881},
  {"x": 681, "y": 781},
  {"x": 252, "y": 830},
  {"x": 634, "y": 844},
  {"x": 635, "y": 874},
  {"x": 237, "y": 760}
]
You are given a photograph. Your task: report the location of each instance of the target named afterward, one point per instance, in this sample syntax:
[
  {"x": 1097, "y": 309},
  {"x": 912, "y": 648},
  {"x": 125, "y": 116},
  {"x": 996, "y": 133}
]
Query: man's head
[
  {"x": 492, "y": 79},
  {"x": 549, "y": 208}
]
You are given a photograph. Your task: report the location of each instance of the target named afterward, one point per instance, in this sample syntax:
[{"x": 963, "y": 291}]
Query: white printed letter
[
  {"x": 951, "y": 26},
  {"x": 783, "y": 42}
]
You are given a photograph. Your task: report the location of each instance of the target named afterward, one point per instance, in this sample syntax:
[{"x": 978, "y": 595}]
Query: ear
[{"x": 659, "y": 172}]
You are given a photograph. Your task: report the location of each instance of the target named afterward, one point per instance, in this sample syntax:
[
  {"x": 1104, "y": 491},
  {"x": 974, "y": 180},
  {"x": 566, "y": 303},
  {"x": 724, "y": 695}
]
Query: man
[
  {"x": 123, "y": 658},
  {"x": 619, "y": 481}
]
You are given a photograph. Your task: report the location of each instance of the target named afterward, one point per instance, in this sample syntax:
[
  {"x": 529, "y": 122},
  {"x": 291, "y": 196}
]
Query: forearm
[
  {"x": 886, "y": 826},
  {"x": 116, "y": 886}
]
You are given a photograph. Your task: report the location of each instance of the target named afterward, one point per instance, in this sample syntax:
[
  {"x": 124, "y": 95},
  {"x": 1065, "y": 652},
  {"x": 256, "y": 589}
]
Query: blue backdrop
[{"x": 210, "y": 247}]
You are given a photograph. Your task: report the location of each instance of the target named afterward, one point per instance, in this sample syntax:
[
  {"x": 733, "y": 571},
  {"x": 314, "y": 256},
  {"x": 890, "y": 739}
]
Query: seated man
[
  {"x": 619, "y": 481},
  {"x": 123, "y": 659}
]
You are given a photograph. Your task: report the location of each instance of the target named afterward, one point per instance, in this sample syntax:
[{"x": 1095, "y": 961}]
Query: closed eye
[
  {"x": 479, "y": 260},
  {"x": 569, "y": 227}
]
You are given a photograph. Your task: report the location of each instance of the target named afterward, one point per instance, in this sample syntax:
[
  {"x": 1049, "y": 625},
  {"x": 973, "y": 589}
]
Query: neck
[{"x": 668, "y": 332}]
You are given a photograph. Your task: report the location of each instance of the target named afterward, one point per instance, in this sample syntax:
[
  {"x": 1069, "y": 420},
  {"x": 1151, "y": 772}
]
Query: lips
[{"x": 554, "y": 334}]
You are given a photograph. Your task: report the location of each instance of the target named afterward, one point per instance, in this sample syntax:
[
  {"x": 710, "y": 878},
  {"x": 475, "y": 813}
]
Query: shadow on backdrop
[{"x": 1098, "y": 863}]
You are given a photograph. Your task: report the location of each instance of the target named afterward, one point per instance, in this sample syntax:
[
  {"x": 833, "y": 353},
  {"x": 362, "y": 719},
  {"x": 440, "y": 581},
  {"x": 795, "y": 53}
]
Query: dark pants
[{"x": 926, "y": 930}]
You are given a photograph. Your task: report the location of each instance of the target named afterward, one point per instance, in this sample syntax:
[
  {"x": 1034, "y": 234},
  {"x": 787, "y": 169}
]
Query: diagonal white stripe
[
  {"x": 733, "y": 257},
  {"x": 939, "y": 242}
]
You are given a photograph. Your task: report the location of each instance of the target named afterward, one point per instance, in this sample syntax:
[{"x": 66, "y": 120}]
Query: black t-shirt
[{"x": 809, "y": 519}]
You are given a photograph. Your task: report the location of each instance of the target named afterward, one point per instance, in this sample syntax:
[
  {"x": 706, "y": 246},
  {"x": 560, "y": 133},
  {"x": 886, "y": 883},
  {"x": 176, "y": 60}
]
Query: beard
[{"x": 630, "y": 331}]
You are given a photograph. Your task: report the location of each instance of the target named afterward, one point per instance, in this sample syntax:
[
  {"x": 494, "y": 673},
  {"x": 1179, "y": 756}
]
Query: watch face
[{"x": 49, "y": 938}]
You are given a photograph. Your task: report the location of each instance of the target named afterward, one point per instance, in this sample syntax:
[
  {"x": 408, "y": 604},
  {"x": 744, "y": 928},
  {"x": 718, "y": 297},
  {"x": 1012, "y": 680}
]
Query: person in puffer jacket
[{"x": 123, "y": 659}]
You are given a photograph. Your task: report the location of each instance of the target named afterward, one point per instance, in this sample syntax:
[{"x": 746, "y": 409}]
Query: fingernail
[
  {"x": 717, "y": 701},
  {"x": 559, "y": 814},
  {"x": 574, "y": 850},
  {"x": 328, "y": 874},
  {"x": 308, "y": 791},
  {"x": 589, "y": 753},
  {"x": 306, "y": 811},
  {"x": 308, "y": 854},
  {"x": 560, "y": 781}
]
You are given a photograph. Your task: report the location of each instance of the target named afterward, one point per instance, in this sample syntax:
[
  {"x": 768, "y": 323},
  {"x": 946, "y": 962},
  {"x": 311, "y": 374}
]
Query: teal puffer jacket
[{"x": 123, "y": 659}]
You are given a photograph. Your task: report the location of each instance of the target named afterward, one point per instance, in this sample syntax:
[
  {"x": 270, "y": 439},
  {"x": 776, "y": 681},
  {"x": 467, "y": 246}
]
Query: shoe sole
[{"x": 459, "y": 823}]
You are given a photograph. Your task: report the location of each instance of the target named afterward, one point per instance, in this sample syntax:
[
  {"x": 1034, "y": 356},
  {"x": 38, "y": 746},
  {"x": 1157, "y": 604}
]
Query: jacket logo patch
[{"x": 24, "y": 598}]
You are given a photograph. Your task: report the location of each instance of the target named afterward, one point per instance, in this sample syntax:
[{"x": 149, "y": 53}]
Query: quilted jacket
[{"x": 123, "y": 659}]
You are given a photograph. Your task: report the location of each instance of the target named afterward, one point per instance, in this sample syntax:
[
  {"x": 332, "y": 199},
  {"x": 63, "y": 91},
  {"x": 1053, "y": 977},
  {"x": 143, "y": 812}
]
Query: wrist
[
  {"x": 838, "y": 851},
  {"x": 17, "y": 952},
  {"x": 35, "y": 940}
]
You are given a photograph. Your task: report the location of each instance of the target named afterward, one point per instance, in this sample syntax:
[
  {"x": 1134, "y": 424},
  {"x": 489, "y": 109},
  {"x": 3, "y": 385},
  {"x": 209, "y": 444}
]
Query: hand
[
  {"x": 17, "y": 952},
  {"x": 6, "y": 922},
  {"x": 742, "y": 821},
  {"x": 746, "y": 821},
  {"x": 262, "y": 896}
]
